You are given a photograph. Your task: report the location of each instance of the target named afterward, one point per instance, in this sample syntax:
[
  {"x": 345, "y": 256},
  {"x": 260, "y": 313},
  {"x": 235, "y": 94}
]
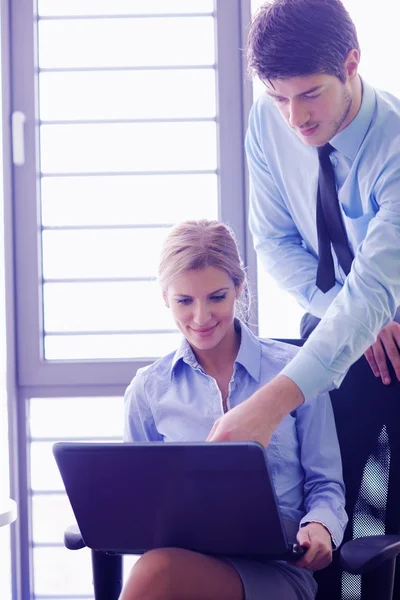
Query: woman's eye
[
  {"x": 184, "y": 301},
  {"x": 312, "y": 97},
  {"x": 218, "y": 298}
]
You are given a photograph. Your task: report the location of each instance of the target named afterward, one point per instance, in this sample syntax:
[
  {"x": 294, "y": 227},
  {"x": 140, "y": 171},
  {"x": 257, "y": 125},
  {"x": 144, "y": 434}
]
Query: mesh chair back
[{"x": 367, "y": 415}]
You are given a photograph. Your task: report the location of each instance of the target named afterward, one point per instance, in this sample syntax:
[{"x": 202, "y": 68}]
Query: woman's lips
[{"x": 204, "y": 331}]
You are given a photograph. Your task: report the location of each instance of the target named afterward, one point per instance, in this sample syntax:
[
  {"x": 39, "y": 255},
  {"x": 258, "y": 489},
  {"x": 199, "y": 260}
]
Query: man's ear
[{"x": 351, "y": 63}]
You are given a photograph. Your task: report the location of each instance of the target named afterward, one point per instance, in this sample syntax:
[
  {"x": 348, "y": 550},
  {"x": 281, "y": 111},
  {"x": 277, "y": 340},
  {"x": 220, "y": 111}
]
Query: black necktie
[{"x": 330, "y": 226}]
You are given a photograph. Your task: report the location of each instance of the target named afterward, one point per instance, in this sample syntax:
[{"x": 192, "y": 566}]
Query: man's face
[{"x": 316, "y": 107}]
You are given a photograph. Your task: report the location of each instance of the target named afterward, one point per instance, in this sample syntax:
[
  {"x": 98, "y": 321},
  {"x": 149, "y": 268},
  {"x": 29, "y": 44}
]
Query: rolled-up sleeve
[{"x": 367, "y": 302}]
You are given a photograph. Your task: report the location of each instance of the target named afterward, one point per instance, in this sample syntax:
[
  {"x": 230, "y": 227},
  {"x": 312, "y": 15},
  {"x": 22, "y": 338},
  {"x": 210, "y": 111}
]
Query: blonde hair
[{"x": 200, "y": 244}]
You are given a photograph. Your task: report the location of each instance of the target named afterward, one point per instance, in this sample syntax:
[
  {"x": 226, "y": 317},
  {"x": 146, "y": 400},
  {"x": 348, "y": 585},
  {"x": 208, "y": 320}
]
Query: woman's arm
[
  {"x": 139, "y": 425},
  {"x": 324, "y": 492}
]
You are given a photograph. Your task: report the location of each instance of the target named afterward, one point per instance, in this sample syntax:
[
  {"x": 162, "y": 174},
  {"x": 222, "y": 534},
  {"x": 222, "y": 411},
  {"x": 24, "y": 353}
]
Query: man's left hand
[
  {"x": 387, "y": 341},
  {"x": 317, "y": 539}
]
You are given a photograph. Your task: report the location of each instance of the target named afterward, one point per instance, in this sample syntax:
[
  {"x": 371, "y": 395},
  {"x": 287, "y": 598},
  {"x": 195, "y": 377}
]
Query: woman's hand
[{"x": 317, "y": 539}]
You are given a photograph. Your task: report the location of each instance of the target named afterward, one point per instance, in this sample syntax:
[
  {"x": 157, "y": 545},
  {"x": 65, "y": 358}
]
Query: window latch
[{"x": 18, "y": 141}]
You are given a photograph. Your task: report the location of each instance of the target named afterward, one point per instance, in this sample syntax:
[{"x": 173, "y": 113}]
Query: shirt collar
[
  {"x": 249, "y": 355},
  {"x": 348, "y": 141},
  {"x": 184, "y": 353}
]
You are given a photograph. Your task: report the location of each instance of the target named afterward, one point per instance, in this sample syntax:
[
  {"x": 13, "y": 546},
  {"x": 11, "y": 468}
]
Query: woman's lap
[{"x": 177, "y": 573}]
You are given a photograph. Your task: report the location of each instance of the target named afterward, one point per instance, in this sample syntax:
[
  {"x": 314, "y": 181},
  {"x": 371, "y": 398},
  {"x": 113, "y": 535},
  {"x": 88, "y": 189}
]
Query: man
[{"x": 306, "y": 53}]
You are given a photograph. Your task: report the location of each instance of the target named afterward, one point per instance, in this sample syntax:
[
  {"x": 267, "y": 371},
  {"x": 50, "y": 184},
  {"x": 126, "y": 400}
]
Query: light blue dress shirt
[
  {"x": 174, "y": 400},
  {"x": 283, "y": 178}
]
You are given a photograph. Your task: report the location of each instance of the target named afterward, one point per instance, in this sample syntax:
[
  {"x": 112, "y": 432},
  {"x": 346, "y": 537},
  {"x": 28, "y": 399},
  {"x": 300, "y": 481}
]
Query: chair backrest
[{"x": 367, "y": 415}]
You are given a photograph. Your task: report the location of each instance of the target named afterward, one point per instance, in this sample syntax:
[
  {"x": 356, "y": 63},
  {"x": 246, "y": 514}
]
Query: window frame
[{"x": 233, "y": 95}]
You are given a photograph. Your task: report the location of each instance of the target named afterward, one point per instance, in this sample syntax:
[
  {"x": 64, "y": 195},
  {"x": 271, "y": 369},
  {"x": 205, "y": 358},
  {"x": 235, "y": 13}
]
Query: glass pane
[
  {"x": 44, "y": 474},
  {"x": 51, "y": 515},
  {"x": 279, "y": 314},
  {"x": 119, "y": 7},
  {"x": 127, "y": 563},
  {"x": 377, "y": 31},
  {"x": 130, "y": 42},
  {"x": 139, "y": 199},
  {"x": 57, "y": 417},
  {"x": 6, "y": 573},
  {"x": 119, "y": 306},
  {"x": 102, "y": 253},
  {"x": 59, "y": 571},
  {"x": 128, "y": 147},
  {"x": 127, "y": 94},
  {"x": 109, "y": 347}
]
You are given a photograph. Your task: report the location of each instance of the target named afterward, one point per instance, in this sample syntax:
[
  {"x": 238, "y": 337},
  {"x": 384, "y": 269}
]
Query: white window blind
[{"x": 128, "y": 146}]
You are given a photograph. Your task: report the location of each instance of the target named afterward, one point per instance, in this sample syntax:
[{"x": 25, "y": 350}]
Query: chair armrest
[
  {"x": 73, "y": 539},
  {"x": 367, "y": 553}
]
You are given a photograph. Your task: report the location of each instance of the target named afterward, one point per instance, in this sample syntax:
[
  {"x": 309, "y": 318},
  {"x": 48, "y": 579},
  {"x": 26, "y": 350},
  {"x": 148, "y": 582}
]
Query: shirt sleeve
[
  {"x": 277, "y": 240},
  {"x": 139, "y": 425},
  {"x": 367, "y": 302},
  {"x": 324, "y": 490}
]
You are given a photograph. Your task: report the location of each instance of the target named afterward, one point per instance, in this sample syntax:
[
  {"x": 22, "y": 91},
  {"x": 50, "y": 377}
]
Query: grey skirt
[{"x": 274, "y": 580}]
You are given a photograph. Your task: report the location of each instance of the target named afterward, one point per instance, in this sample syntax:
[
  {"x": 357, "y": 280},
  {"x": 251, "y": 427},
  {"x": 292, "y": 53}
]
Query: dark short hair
[{"x": 290, "y": 38}]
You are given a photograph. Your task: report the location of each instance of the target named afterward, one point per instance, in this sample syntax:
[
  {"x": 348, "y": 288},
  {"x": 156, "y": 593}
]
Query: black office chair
[{"x": 367, "y": 417}]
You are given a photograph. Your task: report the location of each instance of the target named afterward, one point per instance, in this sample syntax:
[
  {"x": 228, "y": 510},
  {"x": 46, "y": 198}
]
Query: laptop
[{"x": 214, "y": 498}]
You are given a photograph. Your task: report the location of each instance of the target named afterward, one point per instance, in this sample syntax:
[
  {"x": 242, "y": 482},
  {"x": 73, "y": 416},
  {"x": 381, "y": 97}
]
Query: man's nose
[{"x": 298, "y": 114}]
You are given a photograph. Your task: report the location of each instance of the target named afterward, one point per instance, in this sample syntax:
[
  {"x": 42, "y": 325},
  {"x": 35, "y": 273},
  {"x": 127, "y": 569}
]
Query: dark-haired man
[{"x": 325, "y": 218}]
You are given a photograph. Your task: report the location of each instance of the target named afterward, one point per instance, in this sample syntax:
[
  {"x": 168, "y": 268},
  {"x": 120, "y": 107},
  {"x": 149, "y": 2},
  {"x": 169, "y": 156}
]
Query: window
[
  {"x": 122, "y": 126},
  {"x": 120, "y": 138}
]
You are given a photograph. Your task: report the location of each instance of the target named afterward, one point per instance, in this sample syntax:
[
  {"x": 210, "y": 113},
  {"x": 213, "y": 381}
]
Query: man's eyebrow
[{"x": 309, "y": 91}]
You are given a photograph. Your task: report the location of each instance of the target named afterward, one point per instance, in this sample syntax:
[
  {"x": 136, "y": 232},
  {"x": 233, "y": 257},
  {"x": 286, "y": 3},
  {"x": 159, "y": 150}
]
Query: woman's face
[{"x": 203, "y": 305}]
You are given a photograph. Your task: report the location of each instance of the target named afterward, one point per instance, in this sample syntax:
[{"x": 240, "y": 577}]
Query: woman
[{"x": 219, "y": 364}]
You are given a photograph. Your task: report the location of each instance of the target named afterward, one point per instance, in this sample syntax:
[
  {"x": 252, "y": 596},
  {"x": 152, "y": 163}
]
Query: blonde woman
[{"x": 218, "y": 365}]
